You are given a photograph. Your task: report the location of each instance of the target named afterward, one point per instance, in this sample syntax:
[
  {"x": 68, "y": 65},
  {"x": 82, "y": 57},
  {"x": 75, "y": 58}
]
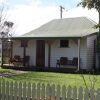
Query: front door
[{"x": 40, "y": 53}]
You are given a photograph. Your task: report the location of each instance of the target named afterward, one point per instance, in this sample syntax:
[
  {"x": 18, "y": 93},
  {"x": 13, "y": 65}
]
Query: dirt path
[{"x": 7, "y": 74}]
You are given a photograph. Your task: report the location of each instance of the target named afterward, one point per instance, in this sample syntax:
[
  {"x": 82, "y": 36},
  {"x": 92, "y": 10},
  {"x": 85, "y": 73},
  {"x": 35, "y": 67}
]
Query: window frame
[{"x": 24, "y": 43}]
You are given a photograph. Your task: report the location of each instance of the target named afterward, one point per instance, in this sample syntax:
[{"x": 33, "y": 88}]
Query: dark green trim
[{"x": 44, "y": 38}]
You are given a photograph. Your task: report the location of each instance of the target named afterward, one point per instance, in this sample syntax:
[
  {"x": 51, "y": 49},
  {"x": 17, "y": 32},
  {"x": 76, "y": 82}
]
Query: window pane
[{"x": 64, "y": 43}]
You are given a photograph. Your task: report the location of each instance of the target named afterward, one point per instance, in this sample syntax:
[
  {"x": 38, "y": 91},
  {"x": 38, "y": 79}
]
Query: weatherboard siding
[
  {"x": 86, "y": 52},
  {"x": 90, "y": 51},
  {"x": 83, "y": 53},
  {"x": 31, "y": 51},
  {"x": 17, "y": 49}
]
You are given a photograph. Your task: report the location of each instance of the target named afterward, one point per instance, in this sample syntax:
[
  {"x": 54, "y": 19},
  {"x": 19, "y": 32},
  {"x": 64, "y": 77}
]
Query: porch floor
[{"x": 63, "y": 69}]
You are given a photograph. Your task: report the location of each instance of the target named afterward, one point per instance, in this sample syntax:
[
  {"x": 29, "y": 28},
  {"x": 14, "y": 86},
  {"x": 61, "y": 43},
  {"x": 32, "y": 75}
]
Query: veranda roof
[{"x": 67, "y": 27}]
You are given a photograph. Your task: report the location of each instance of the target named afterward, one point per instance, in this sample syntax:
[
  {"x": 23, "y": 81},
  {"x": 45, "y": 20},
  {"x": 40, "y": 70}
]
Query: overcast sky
[{"x": 30, "y": 14}]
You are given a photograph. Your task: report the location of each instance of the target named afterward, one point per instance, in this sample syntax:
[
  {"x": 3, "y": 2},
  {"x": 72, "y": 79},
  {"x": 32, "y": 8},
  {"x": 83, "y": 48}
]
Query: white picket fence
[{"x": 22, "y": 91}]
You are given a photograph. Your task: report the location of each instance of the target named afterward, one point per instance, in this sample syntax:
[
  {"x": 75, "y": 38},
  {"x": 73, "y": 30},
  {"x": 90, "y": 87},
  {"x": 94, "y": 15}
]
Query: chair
[
  {"x": 63, "y": 61},
  {"x": 58, "y": 63},
  {"x": 16, "y": 60},
  {"x": 75, "y": 61}
]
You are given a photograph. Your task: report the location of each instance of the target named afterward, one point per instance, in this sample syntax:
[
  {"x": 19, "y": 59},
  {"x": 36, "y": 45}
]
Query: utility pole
[{"x": 61, "y": 11}]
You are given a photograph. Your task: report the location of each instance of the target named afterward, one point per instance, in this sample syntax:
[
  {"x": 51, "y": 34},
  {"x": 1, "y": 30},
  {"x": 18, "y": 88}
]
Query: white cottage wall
[
  {"x": 31, "y": 51},
  {"x": 57, "y": 51},
  {"x": 90, "y": 51},
  {"x": 17, "y": 49},
  {"x": 83, "y": 53}
]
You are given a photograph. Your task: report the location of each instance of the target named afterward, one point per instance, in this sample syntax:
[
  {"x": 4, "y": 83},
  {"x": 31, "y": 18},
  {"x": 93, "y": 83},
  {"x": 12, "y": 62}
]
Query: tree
[
  {"x": 91, "y": 4},
  {"x": 5, "y": 30},
  {"x": 6, "y": 40}
]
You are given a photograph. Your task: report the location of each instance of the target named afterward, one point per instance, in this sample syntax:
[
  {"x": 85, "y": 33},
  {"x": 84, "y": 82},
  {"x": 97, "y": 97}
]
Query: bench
[{"x": 66, "y": 61}]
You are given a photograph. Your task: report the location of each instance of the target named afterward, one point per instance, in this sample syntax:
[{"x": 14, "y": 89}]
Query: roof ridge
[{"x": 71, "y": 18}]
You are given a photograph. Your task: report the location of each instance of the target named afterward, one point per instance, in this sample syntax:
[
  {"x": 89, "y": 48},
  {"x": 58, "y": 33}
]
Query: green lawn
[
  {"x": 6, "y": 70},
  {"x": 55, "y": 78}
]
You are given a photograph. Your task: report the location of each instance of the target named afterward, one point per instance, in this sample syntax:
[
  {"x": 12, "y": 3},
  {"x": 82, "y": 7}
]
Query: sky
[{"x": 28, "y": 15}]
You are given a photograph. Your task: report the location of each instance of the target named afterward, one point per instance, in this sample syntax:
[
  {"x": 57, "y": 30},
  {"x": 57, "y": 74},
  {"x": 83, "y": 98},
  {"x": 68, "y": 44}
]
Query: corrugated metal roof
[{"x": 68, "y": 27}]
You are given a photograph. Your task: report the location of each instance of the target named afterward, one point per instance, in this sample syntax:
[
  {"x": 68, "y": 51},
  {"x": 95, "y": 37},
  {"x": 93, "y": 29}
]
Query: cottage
[{"x": 65, "y": 43}]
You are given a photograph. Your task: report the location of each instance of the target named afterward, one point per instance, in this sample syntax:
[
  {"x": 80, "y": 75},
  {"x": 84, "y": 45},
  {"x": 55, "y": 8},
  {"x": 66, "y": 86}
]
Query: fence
[{"x": 23, "y": 91}]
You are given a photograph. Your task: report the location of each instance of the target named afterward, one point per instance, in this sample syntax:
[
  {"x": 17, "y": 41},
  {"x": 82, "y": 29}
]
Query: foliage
[
  {"x": 92, "y": 80},
  {"x": 6, "y": 70},
  {"x": 90, "y": 4}
]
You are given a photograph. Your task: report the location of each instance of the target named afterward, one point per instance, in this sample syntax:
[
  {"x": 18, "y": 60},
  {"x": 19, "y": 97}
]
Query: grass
[
  {"x": 6, "y": 70},
  {"x": 56, "y": 78}
]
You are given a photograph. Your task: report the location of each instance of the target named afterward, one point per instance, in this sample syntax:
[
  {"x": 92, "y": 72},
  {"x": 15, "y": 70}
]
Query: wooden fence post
[
  {"x": 29, "y": 91},
  {"x": 33, "y": 91},
  {"x": 43, "y": 92},
  {"x": 80, "y": 95},
  {"x": 3, "y": 89},
  {"x": 53, "y": 92},
  {"x": 48, "y": 92},
  {"x": 0, "y": 90},
  {"x": 11, "y": 91},
  {"x": 86, "y": 94},
  {"x": 74, "y": 95},
  {"x": 7, "y": 91},
  {"x": 20, "y": 91},
  {"x": 98, "y": 94},
  {"x": 24, "y": 91},
  {"x": 58, "y": 95},
  {"x": 92, "y": 96},
  {"x": 38, "y": 91},
  {"x": 69, "y": 92},
  {"x": 63, "y": 92},
  {"x": 15, "y": 90}
]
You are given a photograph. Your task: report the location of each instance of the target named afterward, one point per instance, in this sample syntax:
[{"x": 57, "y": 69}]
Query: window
[
  {"x": 24, "y": 43},
  {"x": 64, "y": 43}
]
